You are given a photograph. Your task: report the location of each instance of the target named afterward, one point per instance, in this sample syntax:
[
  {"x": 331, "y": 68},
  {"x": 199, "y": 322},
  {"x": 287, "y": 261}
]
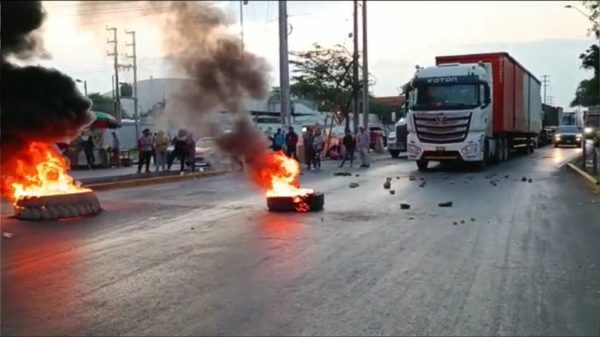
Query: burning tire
[
  {"x": 52, "y": 207},
  {"x": 312, "y": 202}
]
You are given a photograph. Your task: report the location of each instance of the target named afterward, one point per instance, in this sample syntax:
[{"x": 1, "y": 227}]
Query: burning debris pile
[{"x": 39, "y": 108}]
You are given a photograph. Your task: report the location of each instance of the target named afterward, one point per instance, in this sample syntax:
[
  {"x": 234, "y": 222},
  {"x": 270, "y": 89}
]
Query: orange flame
[
  {"x": 39, "y": 171},
  {"x": 279, "y": 175}
]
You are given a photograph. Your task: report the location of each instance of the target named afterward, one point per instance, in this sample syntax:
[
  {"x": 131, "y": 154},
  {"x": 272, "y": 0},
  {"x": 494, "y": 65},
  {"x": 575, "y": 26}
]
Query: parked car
[
  {"x": 205, "y": 151},
  {"x": 568, "y": 135}
]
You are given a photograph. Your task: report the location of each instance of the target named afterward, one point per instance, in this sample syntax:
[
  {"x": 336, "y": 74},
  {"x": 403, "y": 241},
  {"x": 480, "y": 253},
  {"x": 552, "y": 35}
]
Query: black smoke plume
[
  {"x": 224, "y": 77},
  {"x": 37, "y": 104}
]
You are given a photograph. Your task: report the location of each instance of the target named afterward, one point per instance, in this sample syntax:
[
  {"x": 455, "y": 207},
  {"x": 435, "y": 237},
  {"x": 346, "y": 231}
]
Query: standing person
[
  {"x": 116, "y": 149},
  {"x": 317, "y": 149},
  {"x": 145, "y": 150},
  {"x": 308, "y": 141},
  {"x": 179, "y": 150},
  {"x": 278, "y": 140},
  {"x": 88, "y": 148},
  {"x": 161, "y": 143},
  {"x": 349, "y": 145},
  {"x": 291, "y": 140},
  {"x": 363, "y": 142},
  {"x": 191, "y": 151}
]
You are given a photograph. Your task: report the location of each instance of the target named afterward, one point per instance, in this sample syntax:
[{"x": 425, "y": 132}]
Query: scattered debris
[
  {"x": 454, "y": 223},
  {"x": 488, "y": 176},
  {"x": 493, "y": 183},
  {"x": 473, "y": 219},
  {"x": 353, "y": 185},
  {"x": 7, "y": 235},
  {"x": 344, "y": 174},
  {"x": 422, "y": 179},
  {"x": 387, "y": 185},
  {"x": 506, "y": 176},
  {"x": 388, "y": 179},
  {"x": 192, "y": 228},
  {"x": 397, "y": 178},
  {"x": 462, "y": 221},
  {"x": 530, "y": 180},
  {"x": 404, "y": 206},
  {"x": 524, "y": 179},
  {"x": 411, "y": 218},
  {"x": 321, "y": 219},
  {"x": 392, "y": 192},
  {"x": 357, "y": 175},
  {"x": 445, "y": 204},
  {"x": 152, "y": 218},
  {"x": 412, "y": 178},
  {"x": 592, "y": 201},
  {"x": 422, "y": 185}
]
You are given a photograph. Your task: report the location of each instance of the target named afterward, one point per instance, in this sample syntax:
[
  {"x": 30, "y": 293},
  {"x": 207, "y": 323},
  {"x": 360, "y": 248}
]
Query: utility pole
[
  {"x": 284, "y": 72},
  {"x": 135, "y": 95},
  {"x": 355, "y": 68},
  {"x": 115, "y": 55},
  {"x": 365, "y": 68},
  {"x": 545, "y": 82},
  {"x": 242, "y": 3}
]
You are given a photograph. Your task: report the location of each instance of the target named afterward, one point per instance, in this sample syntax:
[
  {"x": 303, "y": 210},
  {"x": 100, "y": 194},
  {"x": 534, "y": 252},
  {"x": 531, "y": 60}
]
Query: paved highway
[{"x": 204, "y": 257}]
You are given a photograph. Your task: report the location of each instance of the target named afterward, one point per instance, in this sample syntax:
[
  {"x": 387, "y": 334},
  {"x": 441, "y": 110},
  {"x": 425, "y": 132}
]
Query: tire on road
[
  {"x": 422, "y": 164},
  {"x": 395, "y": 153},
  {"x": 315, "y": 202},
  {"x": 53, "y": 207}
]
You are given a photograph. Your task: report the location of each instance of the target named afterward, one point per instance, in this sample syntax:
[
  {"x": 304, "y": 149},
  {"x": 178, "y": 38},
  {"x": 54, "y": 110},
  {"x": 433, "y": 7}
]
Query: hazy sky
[{"x": 542, "y": 35}]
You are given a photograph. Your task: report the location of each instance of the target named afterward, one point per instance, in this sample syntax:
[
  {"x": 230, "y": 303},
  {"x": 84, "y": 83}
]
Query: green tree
[
  {"x": 324, "y": 75},
  {"x": 587, "y": 93}
]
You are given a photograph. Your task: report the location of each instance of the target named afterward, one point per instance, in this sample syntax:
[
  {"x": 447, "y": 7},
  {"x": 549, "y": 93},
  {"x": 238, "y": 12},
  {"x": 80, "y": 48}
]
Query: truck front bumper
[{"x": 471, "y": 149}]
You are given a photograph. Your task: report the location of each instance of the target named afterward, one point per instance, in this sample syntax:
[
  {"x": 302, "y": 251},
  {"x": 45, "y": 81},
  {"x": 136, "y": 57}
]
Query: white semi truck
[{"x": 473, "y": 108}]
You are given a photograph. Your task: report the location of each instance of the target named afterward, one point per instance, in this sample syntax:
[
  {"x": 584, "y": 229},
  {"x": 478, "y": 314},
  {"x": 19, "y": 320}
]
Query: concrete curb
[
  {"x": 583, "y": 174},
  {"x": 150, "y": 181}
]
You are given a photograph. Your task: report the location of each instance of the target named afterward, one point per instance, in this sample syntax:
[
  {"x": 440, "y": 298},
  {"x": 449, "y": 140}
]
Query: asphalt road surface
[{"x": 204, "y": 257}]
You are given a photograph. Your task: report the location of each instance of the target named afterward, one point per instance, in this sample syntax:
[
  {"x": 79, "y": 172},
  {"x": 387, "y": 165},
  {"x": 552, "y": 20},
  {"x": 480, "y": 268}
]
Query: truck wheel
[
  {"x": 503, "y": 150},
  {"x": 422, "y": 164},
  {"x": 486, "y": 156},
  {"x": 395, "y": 153},
  {"x": 530, "y": 146}
]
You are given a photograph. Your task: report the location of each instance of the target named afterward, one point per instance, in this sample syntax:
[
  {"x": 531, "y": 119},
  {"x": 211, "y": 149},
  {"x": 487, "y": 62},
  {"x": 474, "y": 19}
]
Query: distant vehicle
[
  {"x": 592, "y": 122},
  {"x": 376, "y": 133},
  {"x": 397, "y": 138},
  {"x": 568, "y": 135},
  {"x": 473, "y": 108},
  {"x": 205, "y": 151}
]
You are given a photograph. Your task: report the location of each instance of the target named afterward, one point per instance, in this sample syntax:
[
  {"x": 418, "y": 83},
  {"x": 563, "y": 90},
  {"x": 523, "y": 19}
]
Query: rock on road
[{"x": 205, "y": 257}]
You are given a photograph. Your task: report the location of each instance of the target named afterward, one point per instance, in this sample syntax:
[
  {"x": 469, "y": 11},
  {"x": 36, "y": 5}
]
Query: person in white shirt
[{"x": 363, "y": 143}]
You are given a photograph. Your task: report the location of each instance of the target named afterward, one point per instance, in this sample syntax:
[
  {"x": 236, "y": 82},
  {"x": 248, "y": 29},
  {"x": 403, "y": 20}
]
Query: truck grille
[{"x": 442, "y": 127}]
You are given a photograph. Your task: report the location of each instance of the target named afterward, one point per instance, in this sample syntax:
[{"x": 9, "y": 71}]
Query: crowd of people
[
  {"x": 154, "y": 147},
  {"x": 313, "y": 143}
]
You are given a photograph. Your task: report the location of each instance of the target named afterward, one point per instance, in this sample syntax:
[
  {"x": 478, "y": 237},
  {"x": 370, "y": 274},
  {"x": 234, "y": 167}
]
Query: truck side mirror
[{"x": 486, "y": 96}]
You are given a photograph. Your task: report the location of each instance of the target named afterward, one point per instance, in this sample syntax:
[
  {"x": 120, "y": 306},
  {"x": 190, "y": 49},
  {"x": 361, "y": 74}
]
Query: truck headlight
[
  {"x": 413, "y": 149},
  {"x": 588, "y": 130},
  {"x": 557, "y": 137},
  {"x": 578, "y": 136},
  {"x": 469, "y": 149}
]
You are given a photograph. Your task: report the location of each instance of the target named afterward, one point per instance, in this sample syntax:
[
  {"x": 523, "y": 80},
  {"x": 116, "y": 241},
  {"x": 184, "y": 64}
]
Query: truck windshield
[
  {"x": 568, "y": 129},
  {"x": 443, "y": 97}
]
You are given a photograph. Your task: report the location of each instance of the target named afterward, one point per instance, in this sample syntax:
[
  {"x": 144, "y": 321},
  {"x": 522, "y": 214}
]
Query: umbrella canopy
[{"x": 104, "y": 120}]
